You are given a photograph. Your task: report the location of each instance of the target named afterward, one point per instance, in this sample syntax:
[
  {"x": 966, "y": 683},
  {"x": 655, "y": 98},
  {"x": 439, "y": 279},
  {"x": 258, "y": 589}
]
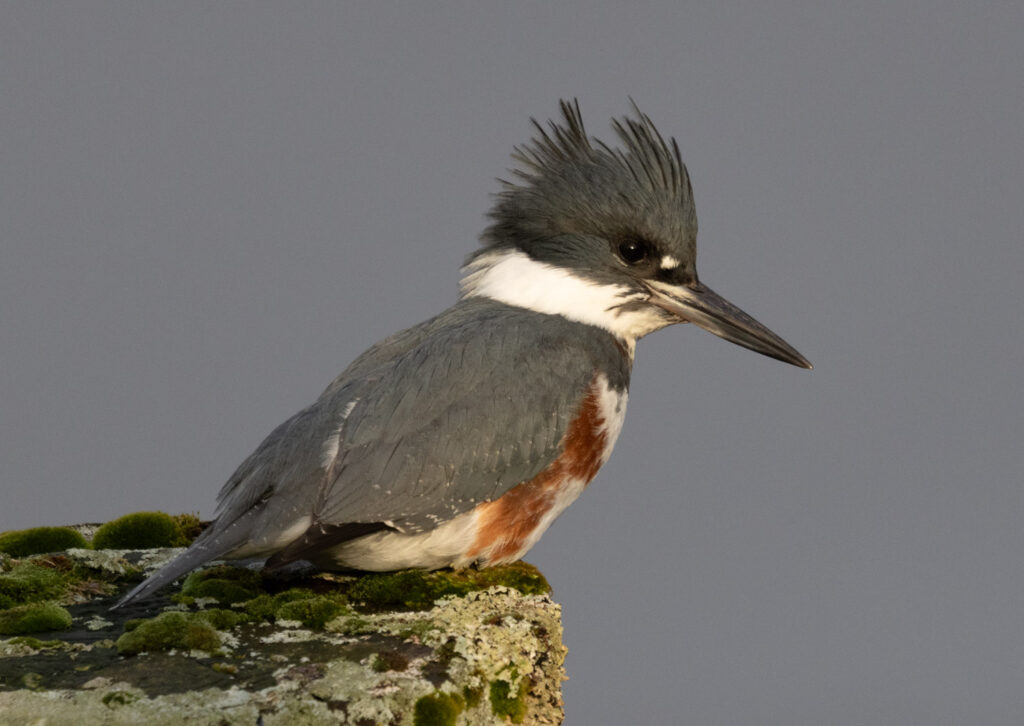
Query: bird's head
[{"x": 606, "y": 236}]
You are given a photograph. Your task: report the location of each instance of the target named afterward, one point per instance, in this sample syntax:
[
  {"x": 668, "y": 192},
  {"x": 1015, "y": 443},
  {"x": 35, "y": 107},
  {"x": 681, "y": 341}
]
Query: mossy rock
[
  {"x": 185, "y": 631},
  {"x": 141, "y": 530},
  {"x": 190, "y": 526},
  {"x": 35, "y": 643},
  {"x": 34, "y": 618},
  {"x": 225, "y": 584},
  {"x": 266, "y": 606},
  {"x": 239, "y": 586},
  {"x": 389, "y": 660},
  {"x": 508, "y": 702},
  {"x": 437, "y": 709},
  {"x": 40, "y": 540},
  {"x": 314, "y": 612},
  {"x": 222, "y": 619},
  {"x": 298, "y": 604},
  {"x": 117, "y": 699},
  {"x": 457, "y": 663},
  {"x": 418, "y": 589},
  {"x": 28, "y": 583}
]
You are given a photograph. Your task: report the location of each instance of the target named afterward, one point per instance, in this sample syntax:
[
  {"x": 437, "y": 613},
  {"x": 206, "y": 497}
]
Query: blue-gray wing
[
  {"x": 425, "y": 424},
  {"x": 478, "y": 405}
]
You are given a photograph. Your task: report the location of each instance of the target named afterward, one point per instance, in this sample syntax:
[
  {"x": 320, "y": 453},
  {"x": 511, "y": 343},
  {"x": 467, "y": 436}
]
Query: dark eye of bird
[{"x": 634, "y": 251}]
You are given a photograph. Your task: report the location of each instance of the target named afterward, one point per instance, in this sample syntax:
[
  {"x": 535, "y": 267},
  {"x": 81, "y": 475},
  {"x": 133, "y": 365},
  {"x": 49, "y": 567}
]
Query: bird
[{"x": 457, "y": 442}]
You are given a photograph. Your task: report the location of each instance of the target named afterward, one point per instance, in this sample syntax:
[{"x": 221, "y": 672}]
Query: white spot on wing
[
  {"x": 331, "y": 446},
  {"x": 329, "y": 451}
]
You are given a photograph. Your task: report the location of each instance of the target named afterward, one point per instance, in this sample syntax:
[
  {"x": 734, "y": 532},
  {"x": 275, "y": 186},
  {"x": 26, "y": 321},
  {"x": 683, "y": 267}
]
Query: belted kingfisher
[{"x": 458, "y": 442}]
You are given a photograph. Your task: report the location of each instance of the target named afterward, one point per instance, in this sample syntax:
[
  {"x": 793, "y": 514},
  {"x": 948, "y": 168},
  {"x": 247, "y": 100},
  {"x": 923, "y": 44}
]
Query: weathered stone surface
[{"x": 489, "y": 656}]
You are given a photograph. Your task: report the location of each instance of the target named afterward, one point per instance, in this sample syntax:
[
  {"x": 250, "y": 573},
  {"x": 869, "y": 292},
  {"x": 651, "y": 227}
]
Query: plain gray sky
[{"x": 207, "y": 210}]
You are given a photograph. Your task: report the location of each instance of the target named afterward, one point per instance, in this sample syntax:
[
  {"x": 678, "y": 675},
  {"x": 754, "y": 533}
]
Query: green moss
[
  {"x": 389, "y": 660},
  {"x": 417, "y": 589},
  {"x": 418, "y": 630},
  {"x": 221, "y": 619},
  {"x": 189, "y": 526},
  {"x": 261, "y": 607},
  {"x": 32, "y": 681},
  {"x": 298, "y": 603},
  {"x": 265, "y": 607},
  {"x": 225, "y": 592},
  {"x": 34, "y": 618},
  {"x": 519, "y": 575},
  {"x": 40, "y": 540},
  {"x": 508, "y": 704},
  {"x": 28, "y": 582},
  {"x": 225, "y": 584},
  {"x": 35, "y": 642},
  {"x": 437, "y": 709},
  {"x": 115, "y": 699},
  {"x": 170, "y": 630},
  {"x": 473, "y": 696},
  {"x": 140, "y": 530},
  {"x": 314, "y": 612},
  {"x": 355, "y": 625},
  {"x": 189, "y": 631}
]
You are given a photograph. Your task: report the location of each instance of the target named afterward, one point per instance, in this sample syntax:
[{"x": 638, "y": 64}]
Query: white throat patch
[{"x": 514, "y": 278}]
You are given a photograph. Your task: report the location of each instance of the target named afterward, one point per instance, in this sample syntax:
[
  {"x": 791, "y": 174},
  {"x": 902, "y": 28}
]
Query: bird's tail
[{"x": 210, "y": 545}]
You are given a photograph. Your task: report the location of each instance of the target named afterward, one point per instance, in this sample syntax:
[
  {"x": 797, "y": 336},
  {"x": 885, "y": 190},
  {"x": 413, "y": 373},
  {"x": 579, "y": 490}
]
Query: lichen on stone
[
  {"x": 112, "y": 564},
  {"x": 495, "y": 642}
]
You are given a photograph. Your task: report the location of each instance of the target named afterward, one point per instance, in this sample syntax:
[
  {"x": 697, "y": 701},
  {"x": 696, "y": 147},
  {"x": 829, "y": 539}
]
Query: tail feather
[
  {"x": 210, "y": 545},
  {"x": 180, "y": 565}
]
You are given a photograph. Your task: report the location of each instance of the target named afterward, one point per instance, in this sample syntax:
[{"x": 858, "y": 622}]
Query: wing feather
[
  {"x": 423, "y": 426},
  {"x": 468, "y": 414}
]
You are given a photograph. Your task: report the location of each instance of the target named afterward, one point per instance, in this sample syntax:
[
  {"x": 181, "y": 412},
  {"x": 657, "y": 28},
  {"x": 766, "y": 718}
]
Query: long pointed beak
[{"x": 702, "y": 306}]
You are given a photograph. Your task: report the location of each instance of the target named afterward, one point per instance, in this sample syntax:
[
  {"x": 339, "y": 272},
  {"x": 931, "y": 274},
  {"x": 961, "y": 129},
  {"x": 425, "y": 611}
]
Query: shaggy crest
[
  {"x": 647, "y": 157},
  {"x": 565, "y": 179}
]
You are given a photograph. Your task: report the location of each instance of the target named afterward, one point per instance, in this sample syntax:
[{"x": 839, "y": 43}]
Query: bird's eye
[{"x": 633, "y": 251}]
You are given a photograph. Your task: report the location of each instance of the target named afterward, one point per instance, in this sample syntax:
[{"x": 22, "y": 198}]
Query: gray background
[{"x": 208, "y": 210}]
